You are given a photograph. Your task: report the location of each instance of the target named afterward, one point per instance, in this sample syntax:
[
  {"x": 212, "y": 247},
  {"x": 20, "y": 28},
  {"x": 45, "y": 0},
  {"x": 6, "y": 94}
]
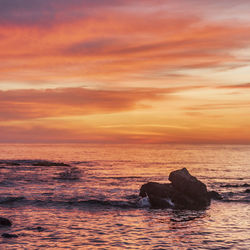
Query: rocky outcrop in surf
[
  {"x": 214, "y": 195},
  {"x": 5, "y": 222},
  {"x": 184, "y": 192},
  {"x": 50, "y": 163},
  {"x": 8, "y": 236},
  {"x": 35, "y": 163},
  {"x": 235, "y": 185},
  {"x": 72, "y": 174}
]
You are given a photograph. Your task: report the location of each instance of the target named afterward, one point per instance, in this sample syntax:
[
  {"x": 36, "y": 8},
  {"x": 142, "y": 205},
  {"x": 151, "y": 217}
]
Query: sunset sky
[{"x": 121, "y": 71}]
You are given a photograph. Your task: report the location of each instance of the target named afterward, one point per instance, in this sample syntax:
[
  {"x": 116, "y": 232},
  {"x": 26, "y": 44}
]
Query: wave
[
  {"x": 118, "y": 177},
  {"x": 136, "y": 203},
  {"x": 35, "y": 163},
  {"x": 86, "y": 163},
  {"x": 235, "y": 185},
  {"x": 108, "y": 203},
  {"x": 236, "y": 200},
  {"x": 9, "y": 200},
  {"x": 90, "y": 203},
  {"x": 6, "y": 183}
]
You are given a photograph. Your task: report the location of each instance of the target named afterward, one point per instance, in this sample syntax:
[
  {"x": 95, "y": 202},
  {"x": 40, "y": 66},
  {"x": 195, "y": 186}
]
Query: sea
[{"x": 85, "y": 196}]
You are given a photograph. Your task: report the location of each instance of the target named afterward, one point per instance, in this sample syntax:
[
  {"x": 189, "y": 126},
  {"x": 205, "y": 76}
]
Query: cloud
[
  {"x": 47, "y": 12},
  {"x": 41, "y": 133},
  {"x": 220, "y": 106},
  {"x": 104, "y": 41},
  {"x": 197, "y": 114},
  {"x": 33, "y": 134},
  {"x": 92, "y": 47},
  {"x": 31, "y": 104},
  {"x": 44, "y": 134},
  {"x": 235, "y": 86},
  {"x": 50, "y": 12},
  {"x": 112, "y": 46}
]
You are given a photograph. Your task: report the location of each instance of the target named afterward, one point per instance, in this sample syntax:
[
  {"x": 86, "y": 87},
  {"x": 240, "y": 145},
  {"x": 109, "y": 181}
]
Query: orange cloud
[
  {"x": 235, "y": 86},
  {"x": 115, "y": 48},
  {"x": 221, "y": 106},
  {"x": 112, "y": 44},
  {"x": 43, "y": 133},
  {"x": 32, "y": 103}
]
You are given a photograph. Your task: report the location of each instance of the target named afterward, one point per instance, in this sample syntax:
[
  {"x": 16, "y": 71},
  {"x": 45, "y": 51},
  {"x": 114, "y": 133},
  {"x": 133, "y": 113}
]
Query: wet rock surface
[
  {"x": 35, "y": 163},
  {"x": 214, "y": 195},
  {"x": 49, "y": 163},
  {"x": 7, "y": 235},
  {"x": 5, "y": 222},
  {"x": 72, "y": 173},
  {"x": 184, "y": 192}
]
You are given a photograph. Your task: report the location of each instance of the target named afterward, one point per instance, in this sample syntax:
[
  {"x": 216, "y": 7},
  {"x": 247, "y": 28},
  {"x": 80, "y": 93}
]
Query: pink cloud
[{"x": 27, "y": 104}]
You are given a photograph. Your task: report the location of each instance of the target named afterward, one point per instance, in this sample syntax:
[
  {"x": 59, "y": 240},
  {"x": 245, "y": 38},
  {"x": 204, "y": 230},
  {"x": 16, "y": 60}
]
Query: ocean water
[{"x": 93, "y": 203}]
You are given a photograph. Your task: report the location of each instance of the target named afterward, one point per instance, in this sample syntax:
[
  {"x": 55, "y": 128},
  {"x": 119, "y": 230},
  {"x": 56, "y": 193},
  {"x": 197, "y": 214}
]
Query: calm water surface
[{"x": 93, "y": 202}]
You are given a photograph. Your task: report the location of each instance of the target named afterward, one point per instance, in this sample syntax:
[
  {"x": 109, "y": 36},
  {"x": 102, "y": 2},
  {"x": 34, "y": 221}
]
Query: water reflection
[
  {"x": 186, "y": 215},
  {"x": 51, "y": 213}
]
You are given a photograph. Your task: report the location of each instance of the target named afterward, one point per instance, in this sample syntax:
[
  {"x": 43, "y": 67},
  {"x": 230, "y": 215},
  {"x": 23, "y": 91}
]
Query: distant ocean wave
[
  {"x": 89, "y": 203},
  {"x": 64, "y": 172},
  {"x": 63, "y": 196},
  {"x": 22, "y": 201},
  {"x": 35, "y": 163},
  {"x": 235, "y": 185}
]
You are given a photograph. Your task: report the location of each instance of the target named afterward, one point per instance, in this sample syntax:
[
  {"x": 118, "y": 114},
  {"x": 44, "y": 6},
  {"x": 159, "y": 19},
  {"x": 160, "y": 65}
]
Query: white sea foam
[
  {"x": 144, "y": 202},
  {"x": 169, "y": 202}
]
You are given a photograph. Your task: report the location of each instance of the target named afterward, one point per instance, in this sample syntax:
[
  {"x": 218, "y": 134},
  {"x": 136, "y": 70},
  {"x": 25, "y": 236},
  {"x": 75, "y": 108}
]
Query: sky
[{"x": 122, "y": 71}]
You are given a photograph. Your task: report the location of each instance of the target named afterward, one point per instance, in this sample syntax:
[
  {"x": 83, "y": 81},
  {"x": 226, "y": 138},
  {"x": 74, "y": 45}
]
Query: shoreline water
[{"x": 97, "y": 209}]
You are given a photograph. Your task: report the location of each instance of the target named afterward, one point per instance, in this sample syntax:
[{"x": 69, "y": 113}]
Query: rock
[
  {"x": 5, "y": 222},
  {"x": 247, "y": 191},
  {"x": 143, "y": 202},
  {"x": 159, "y": 202},
  {"x": 156, "y": 189},
  {"x": 7, "y": 235},
  {"x": 40, "y": 229},
  {"x": 185, "y": 192},
  {"x": 191, "y": 187},
  {"x": 214, "y": 195},
  {"x": 48, "y": 164},
  {"x": 69, "y": 174},
  {"x": 183, "y": 201},
  {"x": 9, "y": 163},
  {"x": 245, "y": 185},
  {"x": 159, "y": 195},
  {"x": 236, "y": 185}
]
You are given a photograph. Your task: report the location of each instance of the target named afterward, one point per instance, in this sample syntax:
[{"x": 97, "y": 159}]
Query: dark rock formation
[
  {"x": 7, "y": 235},
  {"x": 39, "y": 229},
  {"x": 184, "y": 192},
  {"x": 236, "y": 185},
  {"x": 70, "y": 174},
  {"x": 157, "y": 193},
  {"x": 159, "y": 202},
  {"x": 214, "y": 195},
  {"x": 5, "y": 222},
  {"x": 190, "y": 186},
  {"x": 247, "y": 191},
  {"x": 156, "y": 189},
  {"x": 49, "y": 163},
  {"x": 9, "y": 163}
]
